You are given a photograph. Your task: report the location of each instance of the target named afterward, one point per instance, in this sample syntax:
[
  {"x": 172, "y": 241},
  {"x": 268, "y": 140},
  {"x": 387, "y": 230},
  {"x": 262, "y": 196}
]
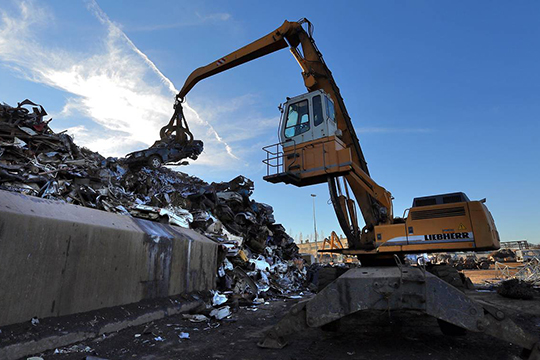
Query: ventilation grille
[{"x": 438, "y": 213}]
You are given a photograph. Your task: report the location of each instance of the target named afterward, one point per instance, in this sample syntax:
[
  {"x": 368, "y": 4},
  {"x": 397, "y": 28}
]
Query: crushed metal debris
[
  {"x": 258, "y": 259},
  {"x": 528, "y": 273},
  {"x": 74, "y": 349}
]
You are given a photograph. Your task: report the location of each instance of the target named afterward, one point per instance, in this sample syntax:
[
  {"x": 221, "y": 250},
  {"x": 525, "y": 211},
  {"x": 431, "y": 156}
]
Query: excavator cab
[
  {"x": 308, "y": 117},
  {"x": 310, "y": 146}
]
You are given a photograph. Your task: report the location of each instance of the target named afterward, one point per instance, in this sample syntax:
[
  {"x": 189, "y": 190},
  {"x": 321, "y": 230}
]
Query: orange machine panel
[
  {"x": 317, "y": 158},
  {"x": 456, "y": 226}
]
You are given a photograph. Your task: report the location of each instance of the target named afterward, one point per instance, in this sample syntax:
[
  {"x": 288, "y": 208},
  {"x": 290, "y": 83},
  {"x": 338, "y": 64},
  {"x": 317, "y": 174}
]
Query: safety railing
[{"x": 274, "y": 157}]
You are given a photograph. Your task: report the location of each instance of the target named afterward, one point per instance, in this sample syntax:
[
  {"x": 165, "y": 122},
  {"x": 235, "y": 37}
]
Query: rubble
[
  {"x": 516, "y": 289},
  {"x": 74, "y": 349},
  {"x": 196, "y": 317},
  {"x": 221, "y": 313},
  {"x": 258, "y": 259},
  {"x": 528, "y": 273},
  {"x": 218, "y": 299},
  {"x": 503, "y": 255}
]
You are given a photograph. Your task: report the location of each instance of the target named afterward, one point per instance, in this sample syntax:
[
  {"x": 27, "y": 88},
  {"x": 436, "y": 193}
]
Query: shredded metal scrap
[{"x": 257, "y": 259}]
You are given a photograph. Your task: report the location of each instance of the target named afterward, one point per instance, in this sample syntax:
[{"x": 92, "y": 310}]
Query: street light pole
[{"x": 315, "y": 228}]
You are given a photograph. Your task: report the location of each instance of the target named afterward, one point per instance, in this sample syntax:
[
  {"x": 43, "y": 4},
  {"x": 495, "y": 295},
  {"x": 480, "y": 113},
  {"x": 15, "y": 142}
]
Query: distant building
[{"x": 516, "y": 244}]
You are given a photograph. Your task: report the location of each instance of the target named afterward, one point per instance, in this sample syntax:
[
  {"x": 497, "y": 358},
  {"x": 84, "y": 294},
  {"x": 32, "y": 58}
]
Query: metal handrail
[
  {"x": 275, "y": 161},
  {"x": 275, "y": 158}
]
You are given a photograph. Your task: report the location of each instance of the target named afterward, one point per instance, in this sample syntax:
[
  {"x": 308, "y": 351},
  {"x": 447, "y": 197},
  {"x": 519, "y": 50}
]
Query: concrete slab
[
  {"x": 59, "y": 259},
  {"x": 22, "y": 340}
]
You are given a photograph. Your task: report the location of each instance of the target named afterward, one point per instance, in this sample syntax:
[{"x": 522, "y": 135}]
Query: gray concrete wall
[{"x": 58, "y": 259}]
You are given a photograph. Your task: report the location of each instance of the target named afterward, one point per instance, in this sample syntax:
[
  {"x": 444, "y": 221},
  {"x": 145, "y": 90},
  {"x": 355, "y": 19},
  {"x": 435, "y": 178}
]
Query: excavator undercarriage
[{"x": 395, "y": 289}]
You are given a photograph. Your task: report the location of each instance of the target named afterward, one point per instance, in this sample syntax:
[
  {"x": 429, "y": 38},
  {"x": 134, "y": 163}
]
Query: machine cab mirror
[{"x": 308, "y": 117}]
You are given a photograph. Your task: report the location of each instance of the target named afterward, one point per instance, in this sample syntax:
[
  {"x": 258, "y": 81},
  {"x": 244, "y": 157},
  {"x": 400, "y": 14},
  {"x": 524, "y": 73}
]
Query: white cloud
[
  {"x": 237, "y": 118},
  {"x": 119, "y": 88},
  {"x": 215, "y": 16}
]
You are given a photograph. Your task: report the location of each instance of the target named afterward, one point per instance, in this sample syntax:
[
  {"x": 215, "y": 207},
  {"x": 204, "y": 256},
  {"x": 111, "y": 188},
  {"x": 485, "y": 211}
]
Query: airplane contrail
[{"x": 100, "y": 14}]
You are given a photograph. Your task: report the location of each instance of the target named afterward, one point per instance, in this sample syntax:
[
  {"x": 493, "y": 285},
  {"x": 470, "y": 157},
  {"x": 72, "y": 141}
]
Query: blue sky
[{"x": 444, "y": 95}]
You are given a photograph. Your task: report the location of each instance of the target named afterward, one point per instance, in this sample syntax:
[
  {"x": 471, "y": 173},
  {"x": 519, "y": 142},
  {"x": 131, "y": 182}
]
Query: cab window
[
  {"x": 317, "y": 111},
  {"x": 297, "y": 119},
  {"x": 330, "y": 109}
]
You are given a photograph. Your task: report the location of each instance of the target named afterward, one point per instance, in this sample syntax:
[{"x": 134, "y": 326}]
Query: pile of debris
[
  {"x": 503, "y": 255},
  {"x": 257, "y": 255},
  {"x": 517, "y": 289},
  {"x": 461, "y": 261},
  {"x": 530, "y": 272}
]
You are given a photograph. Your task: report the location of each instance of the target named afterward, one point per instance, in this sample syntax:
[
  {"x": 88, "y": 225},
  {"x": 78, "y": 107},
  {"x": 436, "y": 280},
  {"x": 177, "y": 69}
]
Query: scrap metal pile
[
  {"x": 258, "y": 259},
  {"x": 523, "y": 284},
  {"x": 528, "y": 272}
]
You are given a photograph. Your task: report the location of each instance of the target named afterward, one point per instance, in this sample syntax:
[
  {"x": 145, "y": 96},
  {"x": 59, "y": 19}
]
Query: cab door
[
  {"x": 298, "y": 124},
  {"x": 320, "y": 128},
  {"x": 324, "y": 117}
]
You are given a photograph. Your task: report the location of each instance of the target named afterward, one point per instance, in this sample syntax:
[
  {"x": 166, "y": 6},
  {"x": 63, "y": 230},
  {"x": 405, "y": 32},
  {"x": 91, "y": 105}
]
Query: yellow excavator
[{"x": 318, "y": 144}]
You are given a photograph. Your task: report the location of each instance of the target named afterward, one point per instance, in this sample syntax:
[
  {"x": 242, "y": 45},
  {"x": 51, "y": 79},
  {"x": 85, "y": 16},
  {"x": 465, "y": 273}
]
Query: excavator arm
[
  {"x": 267, "y": 44},
  {"x": 374, "y": 201}
]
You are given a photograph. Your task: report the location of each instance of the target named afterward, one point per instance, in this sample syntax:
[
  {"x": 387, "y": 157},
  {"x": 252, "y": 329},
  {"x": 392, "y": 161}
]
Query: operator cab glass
[
  {"x": 308, "y": 117},
  {"x": 297, "y": 119}
]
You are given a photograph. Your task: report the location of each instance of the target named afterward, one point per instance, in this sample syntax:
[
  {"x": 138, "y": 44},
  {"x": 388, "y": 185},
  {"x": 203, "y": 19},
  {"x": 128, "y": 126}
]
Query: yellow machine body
[
  {"x": 463, "y": 226},
  {"x": 447, "y": 222}
]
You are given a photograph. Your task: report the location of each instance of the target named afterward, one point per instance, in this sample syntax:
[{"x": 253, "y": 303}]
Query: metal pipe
[{"x": 315, "y": 228}]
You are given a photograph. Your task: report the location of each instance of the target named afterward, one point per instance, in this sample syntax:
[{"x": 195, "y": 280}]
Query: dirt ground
[
  {"x": 363, "y": 335},
  {"x": 490, "y": 276}
]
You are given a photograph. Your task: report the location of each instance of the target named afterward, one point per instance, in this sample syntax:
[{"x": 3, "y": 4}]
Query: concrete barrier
[{"x": 59, "y": 259}]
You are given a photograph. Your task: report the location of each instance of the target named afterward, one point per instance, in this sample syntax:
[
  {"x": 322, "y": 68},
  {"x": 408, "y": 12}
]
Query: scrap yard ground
[
  {"x": 490, "y": 275},
  {"x": 361, "y": 336}
]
